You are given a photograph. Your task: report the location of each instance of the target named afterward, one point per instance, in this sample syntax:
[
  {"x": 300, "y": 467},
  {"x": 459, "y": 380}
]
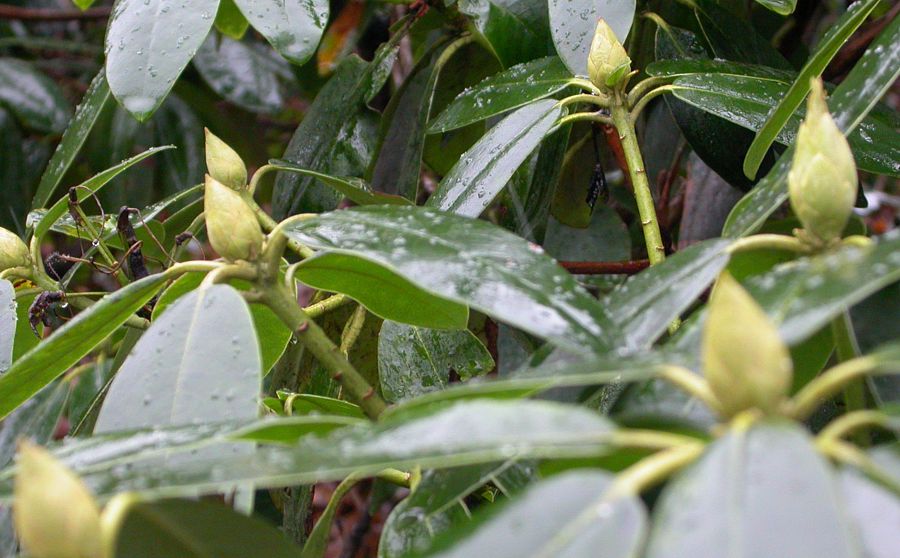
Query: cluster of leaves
[{"x": 469, "y": 146}]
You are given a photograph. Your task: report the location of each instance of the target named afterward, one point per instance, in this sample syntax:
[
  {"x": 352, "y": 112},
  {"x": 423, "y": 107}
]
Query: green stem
[
  {"x": 584, "y": 116},
  {"x": 602, "y": 102},
  {"x": 586, "y": 84},
  {"x": 269, "y": 224},
  {"x": 692, "y": 384},
  {"x": 327, "y": 305},
  {"x": 638, "y": 91},
  {"x": 829, "y": 384},
  {"x": 652, "y": 470},
  {"x": 101, "y": 245},
  {"x": 352, "y": 329},
  {"x": 853, "y": 422},
  {"x": 847, "y": 349},
  {"x": 645, "y": 100},
  {"x": 283, "y": 303},
  {"x": 624, "y": 123}
]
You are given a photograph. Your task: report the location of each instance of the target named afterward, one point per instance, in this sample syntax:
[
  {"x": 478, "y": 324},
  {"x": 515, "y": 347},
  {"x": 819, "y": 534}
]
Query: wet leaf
[
  {"x": 572, "y": 23},
  {"x": 292, "y": 27},
  {"x": 35, "y": 100}
]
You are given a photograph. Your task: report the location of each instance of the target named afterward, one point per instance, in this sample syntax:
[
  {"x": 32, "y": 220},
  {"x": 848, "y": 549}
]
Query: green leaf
[
  {"x": 873, "y": 511},
  {"x": 8, "y": 318},
  {"x": 292, "y": 27},
  {"x": 746, "y": 101},
  {"x": 271, "y": 333},
  {"x": 804, "y": 295},
  {"x": 35, "y": 100},
  {"x": 309, "y": 404},
  {"x": 646, "y": 304},
  {"x": 230, "y": 21},
  {"x": 605, "y": 240},
  {"x": 466, "y": 433},
  {"x": 755, "y": 493},
  {"x": 573, "y": 22},
  {"x": 467, "y": 261},
  {"x": 199, "y": 362},
  {"x": 86, "y": 115},
  {"x": 515, "y": 30},
  {"x": 382, "y": 290},
  {"x": 354, "y": 189},
  {"x": 857, "y": 95},
  {"x": 241, "y": 73},
  {"x": 729, "y": 37},
  {"x": 483, "y": 171},
  {"x": 565, "y": 516},
  {"x": 25, "y": 339},
  {"x": 73, "y": 341},
  {"x": 189, "y": 529},
  {"x": 414, "y": 360},
  {"x": 148, "y": 45},
  {"x": 513, "y": 88},
  {"x": 435, "y": 505},
  {"x": 827, "y": 48},
  {"x": 90, "y": 187}
]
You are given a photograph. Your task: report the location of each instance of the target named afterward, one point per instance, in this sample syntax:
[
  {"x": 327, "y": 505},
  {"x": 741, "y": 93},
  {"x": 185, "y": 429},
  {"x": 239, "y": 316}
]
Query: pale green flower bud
[
  {"x": 231, "y": 224},
  {"x": 13, "y": 252},
  {"x": 54, "y": 513},
  {"x": 745, "y": 362},
  {"x": 224, "y": 164},
  {"x": 823, "y": 179},
  {"x": 608, "y": 62}
]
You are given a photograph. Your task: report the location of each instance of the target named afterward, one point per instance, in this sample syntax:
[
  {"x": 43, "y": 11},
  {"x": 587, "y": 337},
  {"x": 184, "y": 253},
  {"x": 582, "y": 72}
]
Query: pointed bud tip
[
  {"x": 745, "y": 362},
  {"x": 223, "y": 163},
  {"x": 608, "y": 63}
]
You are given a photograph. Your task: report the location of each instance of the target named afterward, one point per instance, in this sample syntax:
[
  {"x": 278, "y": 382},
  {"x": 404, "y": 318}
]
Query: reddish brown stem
[
  {"x": 47, "y": 14},
  {"x": 606, "y": 268}
]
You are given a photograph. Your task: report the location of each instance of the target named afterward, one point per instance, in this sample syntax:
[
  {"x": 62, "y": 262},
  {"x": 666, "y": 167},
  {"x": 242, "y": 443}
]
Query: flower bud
[
  {"x": 224, "y": 164},
  {"x": 54, "y": 513},
  {"x": 744, "y": 360},
  {"x": 823, "y": 179},
  {"x": 13, "y": 252},
  {"x": 608, "y": 62},
  {"x": 231, "y": 225}
]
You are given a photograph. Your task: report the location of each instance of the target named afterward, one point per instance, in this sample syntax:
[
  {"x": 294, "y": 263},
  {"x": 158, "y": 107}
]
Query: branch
[{"x": 45, "y": 14}]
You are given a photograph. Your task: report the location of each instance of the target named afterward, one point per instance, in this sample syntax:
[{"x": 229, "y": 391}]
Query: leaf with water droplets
[
  {"x": 8, "y": 318},
  {"x": 462, "y": 260},
  {"x": 508, "y": 90},
  {"x": 73, "y": 341},
  {"x": 515, "y": 30},
  {"x": 483, "y": 171},
  {"x": 293, "y": 27},
  {"x": 199, "y": 362},
  {"x": 35, "y": 99},
  {"x": 572, "y": 23},
  {"x": 414, "y": 360},
  {"x": 148, "y": 45}
]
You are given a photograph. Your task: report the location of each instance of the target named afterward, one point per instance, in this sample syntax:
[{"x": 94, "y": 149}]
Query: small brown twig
[
  {"x": 606, "y": 268},
  {"x": 48, "y": 14}
]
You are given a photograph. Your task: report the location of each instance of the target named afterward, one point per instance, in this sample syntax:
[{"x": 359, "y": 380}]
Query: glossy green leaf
[
  {"x": 729, "y": 37},
  {"x": 783, "y": 7},
  {"x": 239, "y": 72},
  {"x": 746, "y": 101},
  {"x": 73, "y": 341},
  {"x": 382, "y": 290},
  {"x": 35, "y": 99},
  {"x": 483, "y": 171},
  {"x": 467, "y": 261},
  {"x": 86, "y": 115},
  {"x": 414, "y": 360},
  {"x": 230, "y": 21},
  {"x": 198, "y": 362},
  {"x": 309, "y": 404},
  {"x": 827, "y": 48},
  {"x": 573, "y": 22},
  {"x": 189, "y": 529},
  {"x": 271, "y": 333},
  {"x": 513, "y": 88},
  {"x": 755, "y": 493},
  {"x": 8, "y": 318},
  {"x": 857, "y": 95},
  {"x": 293, "y": 27},
  {"x": 565, "y": 516},
  {"x": 25, "y": 339},
  {"x": 605, "y": 240},
  {"x": 804, "y": 295},
  {"x": 436, "y": 505},
  {"x": 148, "y": 45},
  {"x": 515, "y": 30},
  {"x": 329, "y": 127},
  {"x": 874, "y": 512},
  {"x": 89, "y": 188},
  {"x": 466, "y": 433},
  {"x": 355, "y": 189},
  {"x": 647, "y": 303}
]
